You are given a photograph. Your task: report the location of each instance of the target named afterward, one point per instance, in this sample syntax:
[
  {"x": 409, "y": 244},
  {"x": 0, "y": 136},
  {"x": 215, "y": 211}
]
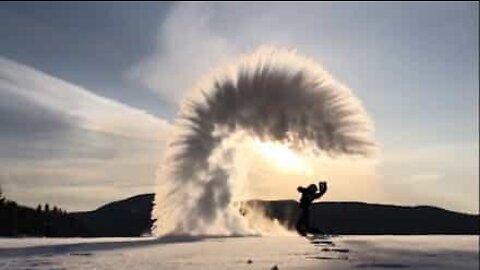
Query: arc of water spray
[{"x": 273, "y": 95}]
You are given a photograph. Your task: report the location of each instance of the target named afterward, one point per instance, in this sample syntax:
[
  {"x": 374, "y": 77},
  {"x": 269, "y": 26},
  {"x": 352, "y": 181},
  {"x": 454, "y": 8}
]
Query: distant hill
[{"x": 131, "y": 217}]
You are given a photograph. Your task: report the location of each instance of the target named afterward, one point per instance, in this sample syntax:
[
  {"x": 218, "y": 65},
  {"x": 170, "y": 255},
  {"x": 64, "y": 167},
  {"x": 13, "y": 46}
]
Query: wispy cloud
[
  {"x": 87, "y": 109},
  {"x": 426, "y": 177},
  {"x": 197, "y": 38},
  {"x": 186, "y": 49},
  {"x": 57, "y": 135}
]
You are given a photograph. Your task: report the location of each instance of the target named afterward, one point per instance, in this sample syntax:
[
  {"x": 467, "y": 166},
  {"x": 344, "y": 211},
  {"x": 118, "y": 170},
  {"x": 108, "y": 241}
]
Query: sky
[{"x": 89, "y": 91}]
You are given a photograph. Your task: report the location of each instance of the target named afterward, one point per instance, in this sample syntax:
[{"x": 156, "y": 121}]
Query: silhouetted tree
[
  {"x": 2, "y": 198},
  {"x": 46, "y": 210},
  {"x": 39, "y": 208}
]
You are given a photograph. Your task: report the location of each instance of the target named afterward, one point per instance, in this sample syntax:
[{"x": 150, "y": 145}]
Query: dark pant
[{"x": 303, "y": 223}]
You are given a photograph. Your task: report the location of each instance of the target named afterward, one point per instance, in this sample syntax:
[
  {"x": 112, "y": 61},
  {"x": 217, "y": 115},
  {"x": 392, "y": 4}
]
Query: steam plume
[{"x": 270, "y": 95}]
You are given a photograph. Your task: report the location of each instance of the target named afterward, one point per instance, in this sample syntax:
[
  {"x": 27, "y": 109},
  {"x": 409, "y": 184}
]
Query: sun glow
[{"x": 282, "y": 157}]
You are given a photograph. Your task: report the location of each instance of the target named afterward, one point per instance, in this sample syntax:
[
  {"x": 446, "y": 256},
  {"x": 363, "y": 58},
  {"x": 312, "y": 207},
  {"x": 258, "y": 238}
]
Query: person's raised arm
[{"x": 322, "y": 188}]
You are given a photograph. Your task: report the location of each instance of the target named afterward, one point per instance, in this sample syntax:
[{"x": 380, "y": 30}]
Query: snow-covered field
[{"x": 286, "y": 252}]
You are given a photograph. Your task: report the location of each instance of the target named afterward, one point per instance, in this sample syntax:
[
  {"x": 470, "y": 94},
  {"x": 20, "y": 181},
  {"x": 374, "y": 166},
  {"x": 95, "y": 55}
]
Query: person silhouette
[{"x": 308, "y": 195}]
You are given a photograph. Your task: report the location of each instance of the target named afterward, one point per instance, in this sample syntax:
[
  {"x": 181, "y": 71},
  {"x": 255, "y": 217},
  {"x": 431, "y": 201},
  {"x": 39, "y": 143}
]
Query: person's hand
[{"x": 322, "y": 186}]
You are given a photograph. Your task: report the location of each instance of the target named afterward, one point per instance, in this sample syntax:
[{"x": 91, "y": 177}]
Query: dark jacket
[{"x": 308, "y": 196}]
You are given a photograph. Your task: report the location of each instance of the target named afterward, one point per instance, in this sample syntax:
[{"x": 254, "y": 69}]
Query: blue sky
[{"x": 414, "y": 66}]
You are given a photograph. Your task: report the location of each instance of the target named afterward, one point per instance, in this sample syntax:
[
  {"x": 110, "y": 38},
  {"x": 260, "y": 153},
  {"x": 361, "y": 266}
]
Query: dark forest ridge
[
  {"x": 332, "y": 217},
  {"x": 131, "y": 217}
]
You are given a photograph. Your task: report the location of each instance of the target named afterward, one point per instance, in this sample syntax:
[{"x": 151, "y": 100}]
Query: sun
[{"x": 282, "y": 157}]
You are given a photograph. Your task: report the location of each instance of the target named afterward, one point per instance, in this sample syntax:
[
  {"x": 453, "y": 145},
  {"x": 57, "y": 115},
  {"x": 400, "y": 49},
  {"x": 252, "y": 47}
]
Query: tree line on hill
[{"x": 18, "y": 220}]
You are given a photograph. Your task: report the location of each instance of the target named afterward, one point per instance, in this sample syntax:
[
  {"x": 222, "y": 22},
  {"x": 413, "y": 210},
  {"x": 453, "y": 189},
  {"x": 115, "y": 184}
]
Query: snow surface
[{"x": 286, "y": 252}]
